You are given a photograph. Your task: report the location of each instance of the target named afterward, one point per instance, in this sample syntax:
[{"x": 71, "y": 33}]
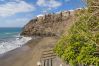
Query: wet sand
[{"x": 29, "y": 54}]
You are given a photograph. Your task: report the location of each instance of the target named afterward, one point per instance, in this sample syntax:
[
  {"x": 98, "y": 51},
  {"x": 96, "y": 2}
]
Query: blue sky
[{"x": 16, "y": 13}]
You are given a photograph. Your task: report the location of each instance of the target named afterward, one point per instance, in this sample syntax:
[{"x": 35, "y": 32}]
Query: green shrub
[{"x": 79, "y": 45}]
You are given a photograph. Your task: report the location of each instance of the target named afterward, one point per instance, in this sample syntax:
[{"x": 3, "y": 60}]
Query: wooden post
[{"x": 47, "y": 62}]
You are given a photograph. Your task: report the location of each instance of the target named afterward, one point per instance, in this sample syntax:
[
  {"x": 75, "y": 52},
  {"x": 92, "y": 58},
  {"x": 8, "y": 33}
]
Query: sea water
[{"x": 10, "y": 39}]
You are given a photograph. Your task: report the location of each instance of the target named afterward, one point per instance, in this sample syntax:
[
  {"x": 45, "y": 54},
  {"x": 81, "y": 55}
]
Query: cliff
[{"x": 49, "y": 24}]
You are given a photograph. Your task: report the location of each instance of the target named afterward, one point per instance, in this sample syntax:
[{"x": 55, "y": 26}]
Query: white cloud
[
  {"x": 49, "y": 3},
  {"x": 1, "y": 0},
  {"x": 12, "y": 0},
  {"x": 18, "y": 22},
  {"x": 11, "y": 8},
  {"x": 40, "y": 15}
]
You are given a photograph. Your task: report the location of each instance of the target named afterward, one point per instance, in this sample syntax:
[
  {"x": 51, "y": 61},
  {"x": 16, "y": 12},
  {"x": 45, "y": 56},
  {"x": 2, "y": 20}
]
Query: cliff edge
[{"x": 49, "y": 24}]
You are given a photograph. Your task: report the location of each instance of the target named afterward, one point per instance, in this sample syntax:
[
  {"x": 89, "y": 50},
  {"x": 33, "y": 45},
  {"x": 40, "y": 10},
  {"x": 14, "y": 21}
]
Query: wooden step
[
  {"x": 49, "y": 57},
  {"x": 47, "y": 54}
]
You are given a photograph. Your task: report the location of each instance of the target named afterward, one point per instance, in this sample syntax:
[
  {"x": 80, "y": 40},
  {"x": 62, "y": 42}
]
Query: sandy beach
[{"x": 29, "y": 54}]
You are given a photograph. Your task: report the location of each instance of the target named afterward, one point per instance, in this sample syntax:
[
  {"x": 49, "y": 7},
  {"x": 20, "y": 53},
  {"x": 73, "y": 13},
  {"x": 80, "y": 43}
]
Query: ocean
[{"x": 10, "y": 39}]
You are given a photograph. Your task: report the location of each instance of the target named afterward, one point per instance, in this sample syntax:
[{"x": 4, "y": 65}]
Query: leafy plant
[{"x": 80, "y": 44}]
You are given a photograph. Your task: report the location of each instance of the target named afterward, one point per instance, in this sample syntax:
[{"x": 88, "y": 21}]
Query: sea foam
[{"x": 13, "y": 44}]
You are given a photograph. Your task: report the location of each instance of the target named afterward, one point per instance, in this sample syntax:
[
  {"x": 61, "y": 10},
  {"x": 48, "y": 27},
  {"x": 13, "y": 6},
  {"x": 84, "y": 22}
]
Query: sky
[{"x": 16, "y": 13}]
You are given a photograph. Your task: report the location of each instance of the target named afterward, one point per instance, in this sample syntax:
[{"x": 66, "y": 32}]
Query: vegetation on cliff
[
  {"x": 49, "y": 24},
  {"x": 78, "y": 47}
]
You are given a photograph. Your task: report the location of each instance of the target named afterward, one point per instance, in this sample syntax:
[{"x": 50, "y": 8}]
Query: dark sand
[{"x": 29, "y": 54}]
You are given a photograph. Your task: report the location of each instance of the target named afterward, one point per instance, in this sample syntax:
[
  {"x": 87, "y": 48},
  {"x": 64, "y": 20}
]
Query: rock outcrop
[{"x": 49, "y": 24}]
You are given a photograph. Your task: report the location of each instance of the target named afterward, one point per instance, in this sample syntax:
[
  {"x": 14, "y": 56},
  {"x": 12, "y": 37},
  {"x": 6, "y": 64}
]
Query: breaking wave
[{"x": 13, "y": 43}]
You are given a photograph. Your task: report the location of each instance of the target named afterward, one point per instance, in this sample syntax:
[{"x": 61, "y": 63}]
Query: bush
[{"x": 79, "y": 45}]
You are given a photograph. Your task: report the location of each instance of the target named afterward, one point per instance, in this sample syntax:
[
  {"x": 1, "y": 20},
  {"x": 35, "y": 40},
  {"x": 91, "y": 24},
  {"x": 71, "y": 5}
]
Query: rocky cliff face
[{"x": 49, "y": 24}]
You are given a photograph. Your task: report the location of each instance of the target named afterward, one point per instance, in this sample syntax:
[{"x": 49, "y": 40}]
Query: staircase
[{"x": 47, "y": 57}]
